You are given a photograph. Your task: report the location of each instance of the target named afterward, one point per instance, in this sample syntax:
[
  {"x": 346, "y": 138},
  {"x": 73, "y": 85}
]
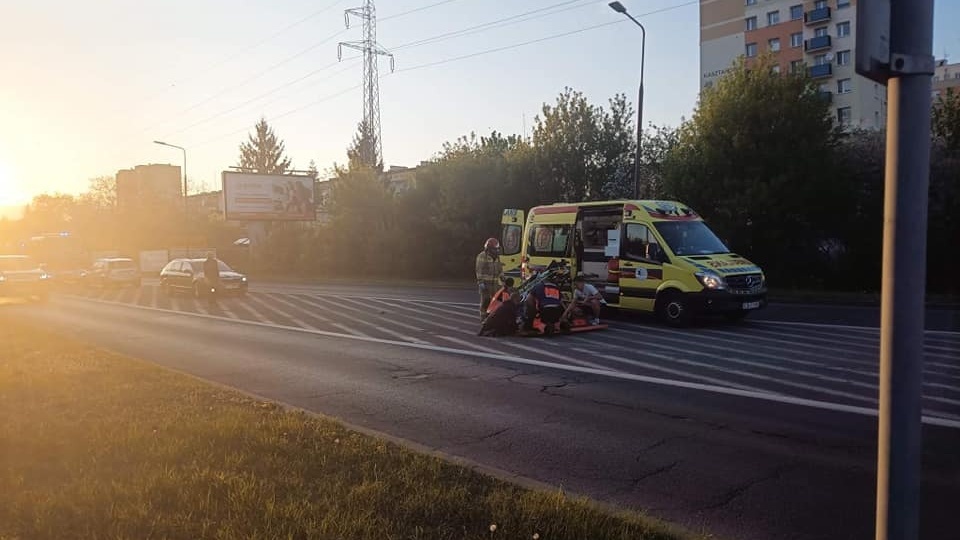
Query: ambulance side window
[
  {"x": 548, "y": 240},
  {"x": 640, "y": 244},
  {"x": 510, "y": 239}
]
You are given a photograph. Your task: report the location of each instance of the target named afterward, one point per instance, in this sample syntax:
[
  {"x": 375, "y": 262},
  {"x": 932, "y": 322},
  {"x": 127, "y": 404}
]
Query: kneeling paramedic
[
  {"x": 543, "y": 301},
  {"x": 502, "y": 320}
]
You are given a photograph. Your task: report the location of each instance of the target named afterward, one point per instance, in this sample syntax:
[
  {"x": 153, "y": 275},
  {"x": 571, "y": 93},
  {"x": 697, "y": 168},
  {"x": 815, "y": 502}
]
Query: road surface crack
[
  {"x": 659, "y": 470},
  {"x": 660, "y": 443},
  {"x": 494, "y": 434},
  {"x": 737, "y": 491}
]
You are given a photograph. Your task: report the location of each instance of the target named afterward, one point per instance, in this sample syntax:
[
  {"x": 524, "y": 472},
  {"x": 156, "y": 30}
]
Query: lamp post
[
  {"x": 620, "y": 8},
  {"x": 184, "y": 150}
]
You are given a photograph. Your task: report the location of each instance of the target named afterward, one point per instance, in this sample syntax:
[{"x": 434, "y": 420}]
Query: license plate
[{"x": 751, "y": 305}]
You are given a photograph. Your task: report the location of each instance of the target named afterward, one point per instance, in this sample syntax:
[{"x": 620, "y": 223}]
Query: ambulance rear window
[{"x": 548, "y": 241}]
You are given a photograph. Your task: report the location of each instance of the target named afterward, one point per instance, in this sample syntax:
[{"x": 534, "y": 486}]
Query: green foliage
[
  {"x": 946, "y": 120},
  {"x": 757, "y": 160},
  {"x": 263, "y": 152}
]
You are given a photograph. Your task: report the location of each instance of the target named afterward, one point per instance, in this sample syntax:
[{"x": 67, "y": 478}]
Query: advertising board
[{"x": 268, "y": 197}]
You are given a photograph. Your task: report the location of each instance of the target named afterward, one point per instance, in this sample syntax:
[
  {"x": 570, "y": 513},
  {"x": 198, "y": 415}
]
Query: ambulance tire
[{"x": 672, "y": 309}]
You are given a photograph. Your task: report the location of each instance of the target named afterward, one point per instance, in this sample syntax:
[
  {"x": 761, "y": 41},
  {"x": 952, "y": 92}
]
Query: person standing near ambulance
[{"x": 489, "y": 273}]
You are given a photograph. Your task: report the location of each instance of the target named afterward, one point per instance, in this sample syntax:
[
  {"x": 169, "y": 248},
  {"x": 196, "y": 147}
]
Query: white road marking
[
  {"x": 656, "y": 367},
  {"x": 263, "y": 305},
  {"x": 337, "y": 311},
  {"x": 276, "y": 297},
  {"x": 390, "y": 320},
  {"x": 762, "y": 396},
  {"x": 850, "y": 327}
]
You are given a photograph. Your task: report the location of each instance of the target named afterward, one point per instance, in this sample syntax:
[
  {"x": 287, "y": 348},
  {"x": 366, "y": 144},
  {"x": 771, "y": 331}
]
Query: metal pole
[
  {"x": 643, "y": 54},
  {"x": 186, "y": 211},
  {"x": 904, "y": 270}
]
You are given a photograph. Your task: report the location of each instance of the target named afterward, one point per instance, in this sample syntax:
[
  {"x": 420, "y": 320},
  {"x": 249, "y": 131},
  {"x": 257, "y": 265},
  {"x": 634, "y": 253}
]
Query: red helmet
[{"x": 491, "y": 243}]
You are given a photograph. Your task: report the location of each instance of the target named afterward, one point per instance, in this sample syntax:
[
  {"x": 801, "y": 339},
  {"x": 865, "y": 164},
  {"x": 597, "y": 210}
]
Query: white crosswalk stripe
[
  {"x": 263, "y": 305},
  {"x": 338, "y": 311}
]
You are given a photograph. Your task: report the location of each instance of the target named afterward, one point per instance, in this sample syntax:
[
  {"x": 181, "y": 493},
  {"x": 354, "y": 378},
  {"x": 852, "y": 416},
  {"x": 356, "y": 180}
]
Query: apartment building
[
  {"x": 147, "y": 186},
  {"x": 814, "y": 35},
  {"x": 946, "y": 76}
]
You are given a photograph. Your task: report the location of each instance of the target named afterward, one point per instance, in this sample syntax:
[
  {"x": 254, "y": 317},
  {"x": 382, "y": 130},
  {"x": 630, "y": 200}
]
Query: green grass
[{"x": 97, "y": 445}]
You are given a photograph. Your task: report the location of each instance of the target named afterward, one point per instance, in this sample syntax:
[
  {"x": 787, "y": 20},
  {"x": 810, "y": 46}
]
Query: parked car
[
  {"x": 22, "y": 277},
  {"x": 186, "y": 275},
  {"x": 114, "y": 271}
]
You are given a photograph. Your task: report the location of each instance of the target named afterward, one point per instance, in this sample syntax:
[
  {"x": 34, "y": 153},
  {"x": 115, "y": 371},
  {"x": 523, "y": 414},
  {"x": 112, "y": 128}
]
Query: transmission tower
[{"x": 369, "y": 153}]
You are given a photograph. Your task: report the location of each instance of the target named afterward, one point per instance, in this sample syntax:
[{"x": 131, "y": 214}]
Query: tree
[
  {"x": 101, "y": 193},
  {"x": 567, "y": 141},
  {"x": 946, "y": 120},
  {"x": 757, "y": 160},
  {"x": 363, "y": 150},
  {"x": 263, "y": 152}
]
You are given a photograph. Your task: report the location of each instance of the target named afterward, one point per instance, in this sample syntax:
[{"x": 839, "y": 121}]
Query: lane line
[
  {"x": 850, "y": 327},
  {"x": 357, "y": 320},
  {"x": 760, "y": 396},
  {"x": 276, "y": 297},
  {"x": 294, "y": 320},
  {"x": 678, "y": 372}
]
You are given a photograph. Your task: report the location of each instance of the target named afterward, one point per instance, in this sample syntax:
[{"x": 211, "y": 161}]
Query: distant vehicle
[
  {"x": 22, "y": 277},
  {"x": 114, "y": 271},
  {"x": 62, "y": 255},
  {"x": 186, "y": 275}
]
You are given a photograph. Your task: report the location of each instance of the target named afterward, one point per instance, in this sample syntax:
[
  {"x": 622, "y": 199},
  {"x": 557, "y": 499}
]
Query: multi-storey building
[
  {"x": 147, "y": 186},
  {"x": 802, "y": 34},
  {"x": 946, "y": 76}
]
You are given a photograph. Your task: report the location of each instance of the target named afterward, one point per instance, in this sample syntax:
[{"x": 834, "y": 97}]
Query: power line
[
  {"x": 282, "y": 115},
  {"x": 265, "y": 94},
  {"x": 285, "y": 60},
  {"x": 496, "y": 24},
  {"x": 249, "y": 48},
  {"x": 540, "y": 40},
  {"x": 415, "y": 10}
]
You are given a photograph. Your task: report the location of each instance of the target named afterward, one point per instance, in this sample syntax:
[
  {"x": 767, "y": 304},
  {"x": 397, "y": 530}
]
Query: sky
[{"x": 87, "y": 86}]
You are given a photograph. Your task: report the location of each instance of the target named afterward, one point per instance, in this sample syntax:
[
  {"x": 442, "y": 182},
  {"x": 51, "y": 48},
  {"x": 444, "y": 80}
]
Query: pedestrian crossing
[{"x": 804, "y": 361}]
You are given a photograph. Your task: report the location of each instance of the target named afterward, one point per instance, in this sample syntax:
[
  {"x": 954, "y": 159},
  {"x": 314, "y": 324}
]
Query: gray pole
[
  {"x": 619, "y": 8},
  {"x": 904, "y": 269},
  {"x": 186, "y": 211}
]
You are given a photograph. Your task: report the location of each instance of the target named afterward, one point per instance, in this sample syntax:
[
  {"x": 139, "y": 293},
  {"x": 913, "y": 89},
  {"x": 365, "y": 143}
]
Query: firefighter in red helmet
[{"x": 489, "y": 273}]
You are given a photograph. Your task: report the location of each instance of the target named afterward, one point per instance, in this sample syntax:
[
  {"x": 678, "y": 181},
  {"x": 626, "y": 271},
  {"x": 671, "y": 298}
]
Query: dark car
[
  {"x": 186, "y": 275},
  {"x": 113, "y": 271},
  {"x": 22, "y": 277}
]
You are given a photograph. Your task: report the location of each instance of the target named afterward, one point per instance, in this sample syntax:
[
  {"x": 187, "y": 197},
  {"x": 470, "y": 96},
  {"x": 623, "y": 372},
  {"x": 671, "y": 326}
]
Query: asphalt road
[{"x": 754, "y": 431}]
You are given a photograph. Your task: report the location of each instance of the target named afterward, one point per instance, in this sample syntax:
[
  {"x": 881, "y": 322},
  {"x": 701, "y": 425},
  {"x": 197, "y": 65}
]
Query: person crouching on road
[
  {"x": 502, "y": 321},
  {"x": 587, "y": 298},
  {"x": 489, "y": 273},
  {"x": 543, "y": 301}
]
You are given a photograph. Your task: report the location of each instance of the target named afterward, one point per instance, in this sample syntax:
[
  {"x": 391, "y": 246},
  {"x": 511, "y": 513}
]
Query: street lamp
[
  {"x": 620, "y": 8},
  {"x": 184, "y": 150}
]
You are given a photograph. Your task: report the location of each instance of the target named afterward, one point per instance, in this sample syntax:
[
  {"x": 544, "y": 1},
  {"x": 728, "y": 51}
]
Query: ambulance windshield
[{"x": 690, "y": 238}]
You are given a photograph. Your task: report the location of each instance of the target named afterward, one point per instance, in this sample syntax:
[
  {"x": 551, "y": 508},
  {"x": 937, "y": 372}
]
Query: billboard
[{"x": 268, "y": 197}]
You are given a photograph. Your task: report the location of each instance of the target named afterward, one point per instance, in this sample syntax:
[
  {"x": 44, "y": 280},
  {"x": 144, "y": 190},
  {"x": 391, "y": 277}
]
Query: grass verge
[{"x": 97, "y": 445}]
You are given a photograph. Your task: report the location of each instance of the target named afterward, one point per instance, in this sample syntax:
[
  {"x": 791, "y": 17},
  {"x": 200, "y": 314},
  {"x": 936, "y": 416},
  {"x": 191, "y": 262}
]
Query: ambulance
[{"x": 644, "y": 255}]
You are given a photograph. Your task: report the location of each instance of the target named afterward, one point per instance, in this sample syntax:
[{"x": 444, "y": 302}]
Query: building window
[
  {"x": 876, "y": 118},
  {"x": 775, "y": 69},
  {"x": 796, "y": 66},
  {"x": 751, "y": 23},
  {"x": 796, "y": 12},
  {"x": 820, "y": 32},
  {"x": 751, "y": 50},
  {"x": 820, "y": 60},
  {"x": 820, "y": 4},
  {"x": 843, "y": 86},
  {"x": 843, "y": 29},
  {"x": 843, "y": 4},
  {"x": 843, "y": 115},
  {"x": 773, "y": 18},
  {"x": 796, "y": 40},
  {"x": 774, "y": 44},
  {"x": 843, "y": 58},
  {"x": 751, "y": 2}
]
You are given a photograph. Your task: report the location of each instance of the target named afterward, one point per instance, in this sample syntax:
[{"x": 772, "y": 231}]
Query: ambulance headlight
[{"x": 711, "y": 280}]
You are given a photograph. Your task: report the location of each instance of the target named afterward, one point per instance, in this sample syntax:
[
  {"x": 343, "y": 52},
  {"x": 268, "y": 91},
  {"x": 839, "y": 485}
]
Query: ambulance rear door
[{"x": 511, "y": 243}]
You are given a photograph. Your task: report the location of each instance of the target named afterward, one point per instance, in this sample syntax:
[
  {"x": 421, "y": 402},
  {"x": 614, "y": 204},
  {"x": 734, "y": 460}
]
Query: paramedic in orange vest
[{"x": 489, "y": 273}]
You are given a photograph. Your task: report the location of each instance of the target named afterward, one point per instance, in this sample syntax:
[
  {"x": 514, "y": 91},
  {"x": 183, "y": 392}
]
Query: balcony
[
  {"x": 817, "y": 43},
  {"x": 821, "y": 71},
  {"x": 817, "y": 16},
  {"x": 826, "y": 95}
]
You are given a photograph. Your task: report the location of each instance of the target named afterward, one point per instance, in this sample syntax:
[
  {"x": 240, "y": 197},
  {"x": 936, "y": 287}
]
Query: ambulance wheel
[{"x": 673, "y": 309}]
